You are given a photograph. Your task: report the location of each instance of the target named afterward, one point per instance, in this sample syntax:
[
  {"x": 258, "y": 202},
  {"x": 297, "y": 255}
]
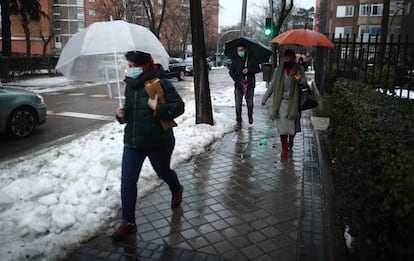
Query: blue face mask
[
  {"x": 135, "y": 72},
  {"x": 241, "y": 54}
]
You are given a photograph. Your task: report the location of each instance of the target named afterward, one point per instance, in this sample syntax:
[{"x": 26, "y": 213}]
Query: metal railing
[{"x": 387, "y": 67}]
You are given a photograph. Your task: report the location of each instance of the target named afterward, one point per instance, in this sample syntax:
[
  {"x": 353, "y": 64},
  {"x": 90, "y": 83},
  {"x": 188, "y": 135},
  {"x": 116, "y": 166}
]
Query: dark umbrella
[{"x": 258, "y": 51}]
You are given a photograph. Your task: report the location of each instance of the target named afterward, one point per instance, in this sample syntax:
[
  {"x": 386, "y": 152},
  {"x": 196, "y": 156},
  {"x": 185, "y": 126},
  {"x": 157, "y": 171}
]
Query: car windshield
[
  {"x": 175, "y": 60},
  {"x": 188, "y": 60}
]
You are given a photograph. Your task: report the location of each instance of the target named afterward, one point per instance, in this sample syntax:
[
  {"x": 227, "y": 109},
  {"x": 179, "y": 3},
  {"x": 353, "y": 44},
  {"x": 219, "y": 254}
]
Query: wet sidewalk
[{"x": 240, "y": 202}]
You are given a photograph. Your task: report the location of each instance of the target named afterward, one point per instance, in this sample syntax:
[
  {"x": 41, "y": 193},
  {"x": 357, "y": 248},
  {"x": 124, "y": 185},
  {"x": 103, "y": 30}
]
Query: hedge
[{"x": 373, "y": 136}]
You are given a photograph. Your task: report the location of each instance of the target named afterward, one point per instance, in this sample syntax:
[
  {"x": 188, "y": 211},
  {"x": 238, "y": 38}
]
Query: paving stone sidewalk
[{"x": 241, "y": 202}]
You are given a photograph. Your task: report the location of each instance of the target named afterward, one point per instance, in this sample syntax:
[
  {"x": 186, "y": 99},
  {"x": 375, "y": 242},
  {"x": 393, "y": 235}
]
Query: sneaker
[
  {"x": 237, "y": 126},
  {"x": 250, "y": 119},
  {"x": 124, "y": 230},
  {"x": 177, "y": 197}
]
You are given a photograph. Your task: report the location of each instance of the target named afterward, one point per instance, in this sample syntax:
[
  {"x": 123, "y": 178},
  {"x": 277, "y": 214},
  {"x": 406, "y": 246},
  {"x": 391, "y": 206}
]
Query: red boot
[{"x": 285, "y": 146}]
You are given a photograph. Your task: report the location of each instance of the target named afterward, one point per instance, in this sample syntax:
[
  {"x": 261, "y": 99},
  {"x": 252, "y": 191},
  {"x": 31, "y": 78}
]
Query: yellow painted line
[{"x": 82, "y": 115}]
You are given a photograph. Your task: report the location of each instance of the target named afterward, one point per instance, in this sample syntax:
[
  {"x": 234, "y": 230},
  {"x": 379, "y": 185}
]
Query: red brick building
[
  {"x": 37, "y": 29},
  {"x": 363, "y": 17},
  {"x": 67, "y": 17}
]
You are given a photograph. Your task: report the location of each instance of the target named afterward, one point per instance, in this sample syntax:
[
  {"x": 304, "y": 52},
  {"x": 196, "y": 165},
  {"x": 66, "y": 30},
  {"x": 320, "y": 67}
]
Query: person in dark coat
[
  {"x": 242, "y": 70},
  {"x": 144, "y": 135}
]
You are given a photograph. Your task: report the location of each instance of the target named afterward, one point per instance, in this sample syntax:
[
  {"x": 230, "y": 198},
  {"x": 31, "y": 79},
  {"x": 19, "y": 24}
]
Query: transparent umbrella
[{"x": 97, "y": 52}]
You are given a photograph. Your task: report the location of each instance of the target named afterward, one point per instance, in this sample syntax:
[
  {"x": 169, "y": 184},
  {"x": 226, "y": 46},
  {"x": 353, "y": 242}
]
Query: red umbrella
[{"x": 303, "y": 37}]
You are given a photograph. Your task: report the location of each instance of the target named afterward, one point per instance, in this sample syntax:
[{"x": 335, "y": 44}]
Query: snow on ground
[{"x": 53, "y": 200}]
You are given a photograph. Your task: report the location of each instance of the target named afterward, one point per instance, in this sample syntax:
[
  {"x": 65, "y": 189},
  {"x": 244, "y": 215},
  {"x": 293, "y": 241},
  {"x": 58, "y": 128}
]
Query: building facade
[
  {"x": 363, "y": 18},
  {"x": 39, "y": 32},
  {"x": 66, "y": 17}
]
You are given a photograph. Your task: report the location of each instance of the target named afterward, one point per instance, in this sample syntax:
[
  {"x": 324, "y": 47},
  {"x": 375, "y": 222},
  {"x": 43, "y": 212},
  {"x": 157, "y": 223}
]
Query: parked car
[
  {"x": 20, "y": 111},
  {"x": 188, "y": 65},
  {"x": 175, "y": 69},
  {"x": 210, "y": 63}
]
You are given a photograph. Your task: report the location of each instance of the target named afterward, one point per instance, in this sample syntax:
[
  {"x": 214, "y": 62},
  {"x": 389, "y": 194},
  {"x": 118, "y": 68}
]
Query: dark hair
[
  {"x": 139, "y": 58},
  {"x": 289, "y": 52},
  {"x": 241, "y": 45}
]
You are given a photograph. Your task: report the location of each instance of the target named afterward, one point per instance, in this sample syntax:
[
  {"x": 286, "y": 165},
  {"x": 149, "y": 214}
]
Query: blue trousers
[
  {"x": 238, "y": 98},
  {"x": 132, "y": 161}
]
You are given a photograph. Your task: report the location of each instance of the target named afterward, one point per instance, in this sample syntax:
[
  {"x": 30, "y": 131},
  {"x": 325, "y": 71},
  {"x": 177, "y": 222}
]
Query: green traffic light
[{"x": 268, "y": 26}]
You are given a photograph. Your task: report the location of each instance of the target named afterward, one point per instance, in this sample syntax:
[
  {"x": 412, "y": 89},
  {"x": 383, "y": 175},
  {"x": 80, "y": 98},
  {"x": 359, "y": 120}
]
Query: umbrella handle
[
  {"x": 108, "y": 84},
  {"x": 119, "y": 94}
]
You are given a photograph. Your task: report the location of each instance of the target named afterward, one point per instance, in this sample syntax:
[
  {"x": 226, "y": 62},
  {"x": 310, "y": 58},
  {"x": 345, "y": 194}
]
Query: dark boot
[
  {"x": 291, "y": 137},
  {"x": 177, "y": 197},
  {"x": 123, "y": 231},
  {"x": 250, "y": 119},
  {"x": 285, "y": 146}
]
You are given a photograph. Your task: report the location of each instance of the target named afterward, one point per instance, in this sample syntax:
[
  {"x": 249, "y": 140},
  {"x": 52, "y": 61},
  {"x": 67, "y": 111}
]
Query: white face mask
[{"x": 134, "y": 72}]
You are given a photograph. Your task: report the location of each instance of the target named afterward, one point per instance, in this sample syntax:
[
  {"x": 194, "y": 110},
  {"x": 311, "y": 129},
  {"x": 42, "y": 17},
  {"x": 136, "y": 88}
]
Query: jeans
[
  {"x": 132, "y": 161},
  {"x": 238, "y": 97}
]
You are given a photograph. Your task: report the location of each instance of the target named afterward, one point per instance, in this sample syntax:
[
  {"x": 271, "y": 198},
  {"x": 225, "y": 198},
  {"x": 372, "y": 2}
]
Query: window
[
  {"x": 345, "y": 11},
  {"x": 56, "y": 10},
  {"x": 91, "y": 1},
  {"x": 344, "y": 52},
  {"x": 347, "y": 30},
  {"x": 58, "y": 42},
  {"x": 370, "y": 9},
  {"x": 343, "y": 31},
  {"x": 373, "y": 30},
  {"x": 92, "y": 12},
  {"x": 395, "y": 30}
]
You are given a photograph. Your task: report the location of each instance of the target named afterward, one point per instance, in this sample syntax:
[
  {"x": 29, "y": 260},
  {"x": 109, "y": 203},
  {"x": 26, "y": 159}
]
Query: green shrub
[{"x": 374, "y": 139}]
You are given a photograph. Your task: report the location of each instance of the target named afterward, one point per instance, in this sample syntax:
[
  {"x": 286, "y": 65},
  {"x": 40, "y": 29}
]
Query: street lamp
[{"x": 218, "y": 41}]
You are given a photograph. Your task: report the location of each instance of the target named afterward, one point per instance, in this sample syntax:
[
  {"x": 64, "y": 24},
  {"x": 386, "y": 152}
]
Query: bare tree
[
  {"x": 46, "y": 41},
  {"x": 27, "y": 11},
  {"x": 177, "y": 29},
  {"x": 384, "y": 29},
  {"x": 280, "y": 13},
  {"x": 210, "y": 33},
  {"x": 5, "y": 28},
  {"x": 204, "y": 112},
  {"x": 111, "y": 8},
  {"x": 152, "y": 17}
]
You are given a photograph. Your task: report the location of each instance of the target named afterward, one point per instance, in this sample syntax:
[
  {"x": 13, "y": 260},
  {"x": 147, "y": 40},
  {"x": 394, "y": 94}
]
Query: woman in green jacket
[
  {"x": 145, "y": 136},
  {"x": 285, "y": 86}
]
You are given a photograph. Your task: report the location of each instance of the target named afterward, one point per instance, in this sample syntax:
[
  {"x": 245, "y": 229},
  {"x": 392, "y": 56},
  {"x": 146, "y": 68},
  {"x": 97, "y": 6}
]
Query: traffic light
[{"x": 268, "y": 27}]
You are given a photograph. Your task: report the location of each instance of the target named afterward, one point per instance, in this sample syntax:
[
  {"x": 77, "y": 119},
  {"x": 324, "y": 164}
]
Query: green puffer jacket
[{"x": 143, "y": 129}]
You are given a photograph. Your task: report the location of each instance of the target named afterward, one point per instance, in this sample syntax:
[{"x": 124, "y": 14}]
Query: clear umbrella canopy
[{"x": 97, "y": 51}]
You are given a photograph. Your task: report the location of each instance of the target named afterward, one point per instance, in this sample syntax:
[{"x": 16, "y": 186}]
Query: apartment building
[
  {"x": 39, "y": 32},
  {"x": 67, "y": 17},
  {"x": 363, "y": 18}
]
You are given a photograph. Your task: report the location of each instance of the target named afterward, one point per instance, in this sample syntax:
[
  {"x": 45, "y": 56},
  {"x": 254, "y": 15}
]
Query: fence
[
  {"x": 387, "y": 67},
  {"x": 15, "y": 66}
]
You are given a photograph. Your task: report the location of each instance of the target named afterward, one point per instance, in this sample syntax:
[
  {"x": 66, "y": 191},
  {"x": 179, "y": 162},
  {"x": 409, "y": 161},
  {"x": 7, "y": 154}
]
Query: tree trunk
[
  {"x": 204, "y": 113},
  {"x": 5, "y": 25},
  {"x": 280, "y": 18},
  {"x": 25, "y": 25},
  {"x": 321, "y": 52},
  {"x": 384, "y": 28}
]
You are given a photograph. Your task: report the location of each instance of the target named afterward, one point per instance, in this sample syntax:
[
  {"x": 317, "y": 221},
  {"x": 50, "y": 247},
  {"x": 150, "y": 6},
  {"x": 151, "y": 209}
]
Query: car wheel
[
  {"x": 180, "y": 76},
  {"x": 22, "y": 122}
]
